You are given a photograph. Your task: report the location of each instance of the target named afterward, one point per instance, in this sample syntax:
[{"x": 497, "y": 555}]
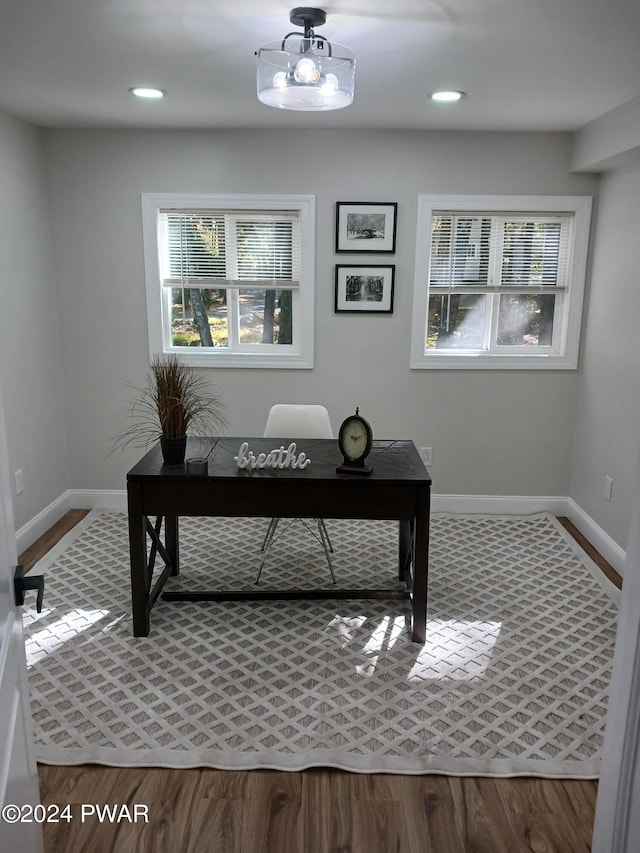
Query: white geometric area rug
[{"x": 513, "y": 678}]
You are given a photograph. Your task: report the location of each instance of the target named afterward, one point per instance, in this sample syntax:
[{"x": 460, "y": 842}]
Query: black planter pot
[{"x": 173, "y": 450}]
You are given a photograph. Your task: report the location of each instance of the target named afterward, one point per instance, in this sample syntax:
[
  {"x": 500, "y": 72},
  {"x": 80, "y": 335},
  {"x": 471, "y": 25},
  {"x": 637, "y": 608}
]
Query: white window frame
[
  {"x": 300, "y": 353},
  {"x": 563, "y": 355}
]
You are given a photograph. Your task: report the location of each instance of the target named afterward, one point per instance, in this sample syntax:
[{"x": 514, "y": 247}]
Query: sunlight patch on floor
[
  {"x": 49, "y": 638},
  {"x": 455, "y": 649}
]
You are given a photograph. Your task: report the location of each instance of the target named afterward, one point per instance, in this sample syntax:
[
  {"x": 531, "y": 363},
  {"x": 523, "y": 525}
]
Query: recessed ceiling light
[
  {"x": 448, "y": 96},
  {"x": 147, "y": 92}
]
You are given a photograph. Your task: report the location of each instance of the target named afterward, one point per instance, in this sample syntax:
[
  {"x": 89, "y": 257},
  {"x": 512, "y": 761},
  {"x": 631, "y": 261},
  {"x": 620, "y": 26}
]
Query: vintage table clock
[{"x": 354, "y": 440}]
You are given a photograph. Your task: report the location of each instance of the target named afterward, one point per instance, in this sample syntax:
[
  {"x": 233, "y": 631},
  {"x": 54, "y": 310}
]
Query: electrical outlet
[
  {"x": 426, "y": 454},
  {"x": 19, "y": 478},
  {"x": 608, "y": 488}
]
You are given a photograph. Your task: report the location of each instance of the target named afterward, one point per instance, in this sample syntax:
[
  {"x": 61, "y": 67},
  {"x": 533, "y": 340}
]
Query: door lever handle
[{"x": 21, "y": 584}]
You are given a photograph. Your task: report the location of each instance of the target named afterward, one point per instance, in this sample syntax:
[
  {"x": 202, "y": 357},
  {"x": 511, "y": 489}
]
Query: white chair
[{"x": 292, "y": 421}]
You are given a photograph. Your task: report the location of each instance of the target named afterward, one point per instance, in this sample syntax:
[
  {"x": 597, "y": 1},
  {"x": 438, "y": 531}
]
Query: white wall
[
  {"x": 610, "y": 141},
  {"x": 607, "y": 438},
  {"x": 29, "y": 344},
  {"x": 492, "y": 433}
]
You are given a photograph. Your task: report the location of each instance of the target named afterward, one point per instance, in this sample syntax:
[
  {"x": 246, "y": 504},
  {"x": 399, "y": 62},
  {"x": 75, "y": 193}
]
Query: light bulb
[
  {"x": 306, "y": 71},
  {"x": 279, "y": 80},
  {"x": 447, "y": 96},
  {"x": 330, "y": 83},
  {"x": 147, "y": 92}
]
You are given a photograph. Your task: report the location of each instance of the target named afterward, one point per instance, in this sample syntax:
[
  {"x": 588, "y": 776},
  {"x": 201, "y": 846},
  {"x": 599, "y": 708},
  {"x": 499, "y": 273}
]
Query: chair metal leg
[
  {"x": 322, "y": 537},
  {"x": 266, "y": 544},
  {"x": 264, "y": 557},
  {"x": 323, "y": 530},
  {"x": 326, "y": 544},
  {"x": 268, "y": 536}
]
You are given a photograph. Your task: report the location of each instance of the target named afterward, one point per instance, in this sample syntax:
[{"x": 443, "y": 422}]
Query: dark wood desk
[{"x": 399, "y": 488}]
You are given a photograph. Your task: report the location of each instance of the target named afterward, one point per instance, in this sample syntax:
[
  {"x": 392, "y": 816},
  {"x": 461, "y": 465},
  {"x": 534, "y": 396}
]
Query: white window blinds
[
  {"x": 481, "y": 252},
  {"x": 239, "y": 249}
]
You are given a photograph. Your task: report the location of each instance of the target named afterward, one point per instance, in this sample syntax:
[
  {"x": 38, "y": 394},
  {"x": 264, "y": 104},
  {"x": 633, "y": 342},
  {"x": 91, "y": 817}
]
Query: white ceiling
[{"x": 524, "y": 64}]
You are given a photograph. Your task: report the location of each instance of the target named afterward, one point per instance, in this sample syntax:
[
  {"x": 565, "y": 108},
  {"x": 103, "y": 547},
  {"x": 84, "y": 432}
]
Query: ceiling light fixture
[
  {"x": 147, "y": 92},
  {"x": 447, "y": 96},
  {"x": 304, "y": 71}
]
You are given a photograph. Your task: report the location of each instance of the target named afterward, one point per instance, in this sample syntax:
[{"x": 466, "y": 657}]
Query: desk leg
[
  {"x": 139, "y": 568},
  {"x": 420, "y": 568},
  {"x": 171, "y": 542},
  {"x": 405, "y": 539}
]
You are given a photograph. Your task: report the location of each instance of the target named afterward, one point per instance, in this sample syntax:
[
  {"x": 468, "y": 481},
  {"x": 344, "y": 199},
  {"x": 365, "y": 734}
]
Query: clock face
[{"x": 355, "y": 439}]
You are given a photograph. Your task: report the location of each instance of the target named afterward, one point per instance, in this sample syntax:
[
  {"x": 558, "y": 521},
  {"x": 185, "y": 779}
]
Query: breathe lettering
[{"x": 280, "y": 457}]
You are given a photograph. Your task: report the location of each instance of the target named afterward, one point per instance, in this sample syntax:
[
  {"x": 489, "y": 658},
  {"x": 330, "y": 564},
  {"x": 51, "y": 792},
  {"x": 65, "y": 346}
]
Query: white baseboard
[
  {"x": 116, "y": 500},
  {"x": 71, "y": 499},
  {"x": 44, "y": 520},
  {"x": 498, "y": 504},
  {"x": 113, "y": 499},
  {"x": 613, "y": 553}
]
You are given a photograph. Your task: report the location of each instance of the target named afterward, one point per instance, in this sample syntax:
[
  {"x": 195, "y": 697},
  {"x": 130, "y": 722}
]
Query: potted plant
[{"x": 175, "y": 400}]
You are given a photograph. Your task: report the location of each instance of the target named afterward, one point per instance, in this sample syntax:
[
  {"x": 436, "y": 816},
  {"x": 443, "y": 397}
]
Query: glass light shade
[{"x": 300, "y": 73}]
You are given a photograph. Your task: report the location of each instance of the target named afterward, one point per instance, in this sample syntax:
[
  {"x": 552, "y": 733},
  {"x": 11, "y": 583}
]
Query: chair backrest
[{"x": 295, "y": 420}]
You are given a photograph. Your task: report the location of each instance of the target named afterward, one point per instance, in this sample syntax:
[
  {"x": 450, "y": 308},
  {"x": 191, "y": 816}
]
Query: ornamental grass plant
[{"x": 176, "y": 400}]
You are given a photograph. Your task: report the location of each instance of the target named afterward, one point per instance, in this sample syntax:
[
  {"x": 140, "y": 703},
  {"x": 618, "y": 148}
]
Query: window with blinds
[
  {"x": 234, "y": 281},
  {"x": 494, "y": 282},
  {"x": 499, "y": 252},
  {"x": 213, "y": 249}
]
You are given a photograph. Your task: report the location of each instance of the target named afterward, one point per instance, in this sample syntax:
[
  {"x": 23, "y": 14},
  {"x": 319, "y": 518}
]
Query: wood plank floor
[{"x": 314, "y": 811}]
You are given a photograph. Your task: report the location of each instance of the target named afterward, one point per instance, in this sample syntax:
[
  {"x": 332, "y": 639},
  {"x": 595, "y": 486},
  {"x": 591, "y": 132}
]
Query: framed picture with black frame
[
  {"x": 364, "y": 289},
  {"x": 366, "y": 227}
]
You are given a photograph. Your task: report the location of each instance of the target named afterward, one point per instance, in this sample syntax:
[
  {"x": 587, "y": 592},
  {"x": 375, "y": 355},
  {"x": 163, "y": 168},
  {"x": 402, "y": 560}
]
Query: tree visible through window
[
  {"x": 218, "y": 252},
  {"x": 231, "y": 279},
  {"x": 477, "y": 261},
  {"x": 499, "y": 283}
]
